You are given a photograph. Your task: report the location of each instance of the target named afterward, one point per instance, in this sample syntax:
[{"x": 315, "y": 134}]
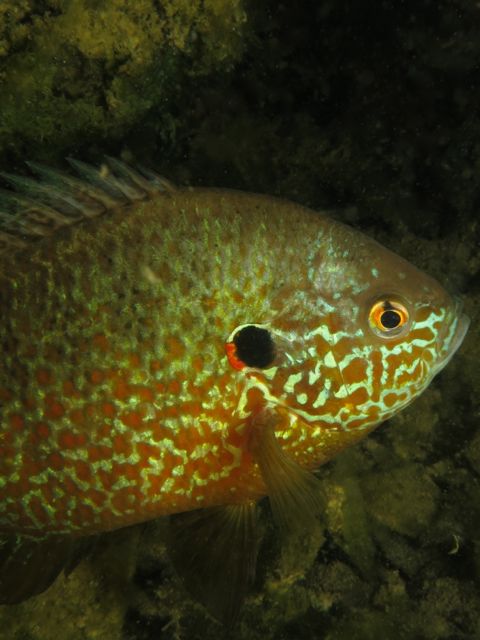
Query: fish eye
[
  {"x": 388, "y": 318},
  {"x": 250, "y": 345}
]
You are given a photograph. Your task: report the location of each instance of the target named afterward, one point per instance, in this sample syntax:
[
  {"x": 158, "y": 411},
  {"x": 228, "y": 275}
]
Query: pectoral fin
[{"x": 294, "y": 493}]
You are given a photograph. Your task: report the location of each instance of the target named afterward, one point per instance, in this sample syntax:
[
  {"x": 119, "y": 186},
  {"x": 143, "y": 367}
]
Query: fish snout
[{"x": 449, "y": 341}]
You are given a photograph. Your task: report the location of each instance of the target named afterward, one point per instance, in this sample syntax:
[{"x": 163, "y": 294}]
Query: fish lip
[{"x": 463, "y": 323}]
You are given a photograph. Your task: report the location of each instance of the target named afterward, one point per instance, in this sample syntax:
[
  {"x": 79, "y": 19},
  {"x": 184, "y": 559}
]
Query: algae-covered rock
[
  {"x": 338, "y": 585},
  {"x": 449, "y": 609},
  {"x": 473, "y": 452},
  {"x": 92, "y": 68},
  {"x": 347, "y": 514},
  {"x": 403, "y": 499},
  {"x": 74, "y": 608}
]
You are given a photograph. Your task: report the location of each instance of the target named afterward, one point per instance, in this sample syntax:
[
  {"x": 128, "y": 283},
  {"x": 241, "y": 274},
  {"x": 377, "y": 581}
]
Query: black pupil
[
  {"x": 390, "y": 319},
  {"x": 254, "y": 347}
]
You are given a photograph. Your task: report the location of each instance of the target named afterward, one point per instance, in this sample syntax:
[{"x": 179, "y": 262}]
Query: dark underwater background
[{"x": 368, "y": 109}]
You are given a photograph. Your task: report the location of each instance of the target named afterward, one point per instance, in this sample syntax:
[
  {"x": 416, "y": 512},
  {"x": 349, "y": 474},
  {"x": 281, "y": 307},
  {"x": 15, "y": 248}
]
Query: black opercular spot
[
  {"x": 390, "y": 319},
  {"x": 254, "y": 346}
]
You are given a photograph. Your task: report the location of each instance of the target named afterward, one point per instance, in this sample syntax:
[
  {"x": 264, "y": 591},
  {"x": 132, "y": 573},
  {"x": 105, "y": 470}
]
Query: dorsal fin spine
[{"x": 37, "y": 207}]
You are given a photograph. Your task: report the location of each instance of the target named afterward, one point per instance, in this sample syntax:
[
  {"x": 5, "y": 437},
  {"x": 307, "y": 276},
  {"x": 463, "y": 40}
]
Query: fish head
[
  {"x": 356, "y": 342},
  {"x": 393, "y": 329}
]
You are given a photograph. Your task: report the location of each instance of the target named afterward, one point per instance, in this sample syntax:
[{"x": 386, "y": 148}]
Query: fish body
[{"x": 144, "y": 347}]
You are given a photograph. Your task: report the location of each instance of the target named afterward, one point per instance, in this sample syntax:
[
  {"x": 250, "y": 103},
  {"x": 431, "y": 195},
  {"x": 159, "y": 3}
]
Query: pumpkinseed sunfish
[{"x": 187, "y": 351}]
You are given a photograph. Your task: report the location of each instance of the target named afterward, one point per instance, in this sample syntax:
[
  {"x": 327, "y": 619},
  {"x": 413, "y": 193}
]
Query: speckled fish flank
[{"x": 141, "y": 346}]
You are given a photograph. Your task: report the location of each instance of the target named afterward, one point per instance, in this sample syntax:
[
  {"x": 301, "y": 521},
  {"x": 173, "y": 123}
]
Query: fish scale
[
  {"x": 124, "y": 394},
  {"x": 116, "y": 367}
]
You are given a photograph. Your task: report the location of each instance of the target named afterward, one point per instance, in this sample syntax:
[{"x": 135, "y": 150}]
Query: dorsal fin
[{"x": 37, "y": 207}]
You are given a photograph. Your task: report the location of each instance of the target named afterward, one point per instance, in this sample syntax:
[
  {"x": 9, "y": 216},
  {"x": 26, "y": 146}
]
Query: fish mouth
[{"x": 452, "y": 341}]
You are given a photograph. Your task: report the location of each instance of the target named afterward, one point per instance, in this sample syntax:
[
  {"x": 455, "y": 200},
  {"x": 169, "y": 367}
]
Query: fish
[{"x": 184, "y": 352}]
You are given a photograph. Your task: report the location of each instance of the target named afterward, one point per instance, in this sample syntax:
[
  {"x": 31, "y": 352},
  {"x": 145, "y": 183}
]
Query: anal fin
[
  {"x": 29, "y": 566},
  {"x": 214, "y": 550}
]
